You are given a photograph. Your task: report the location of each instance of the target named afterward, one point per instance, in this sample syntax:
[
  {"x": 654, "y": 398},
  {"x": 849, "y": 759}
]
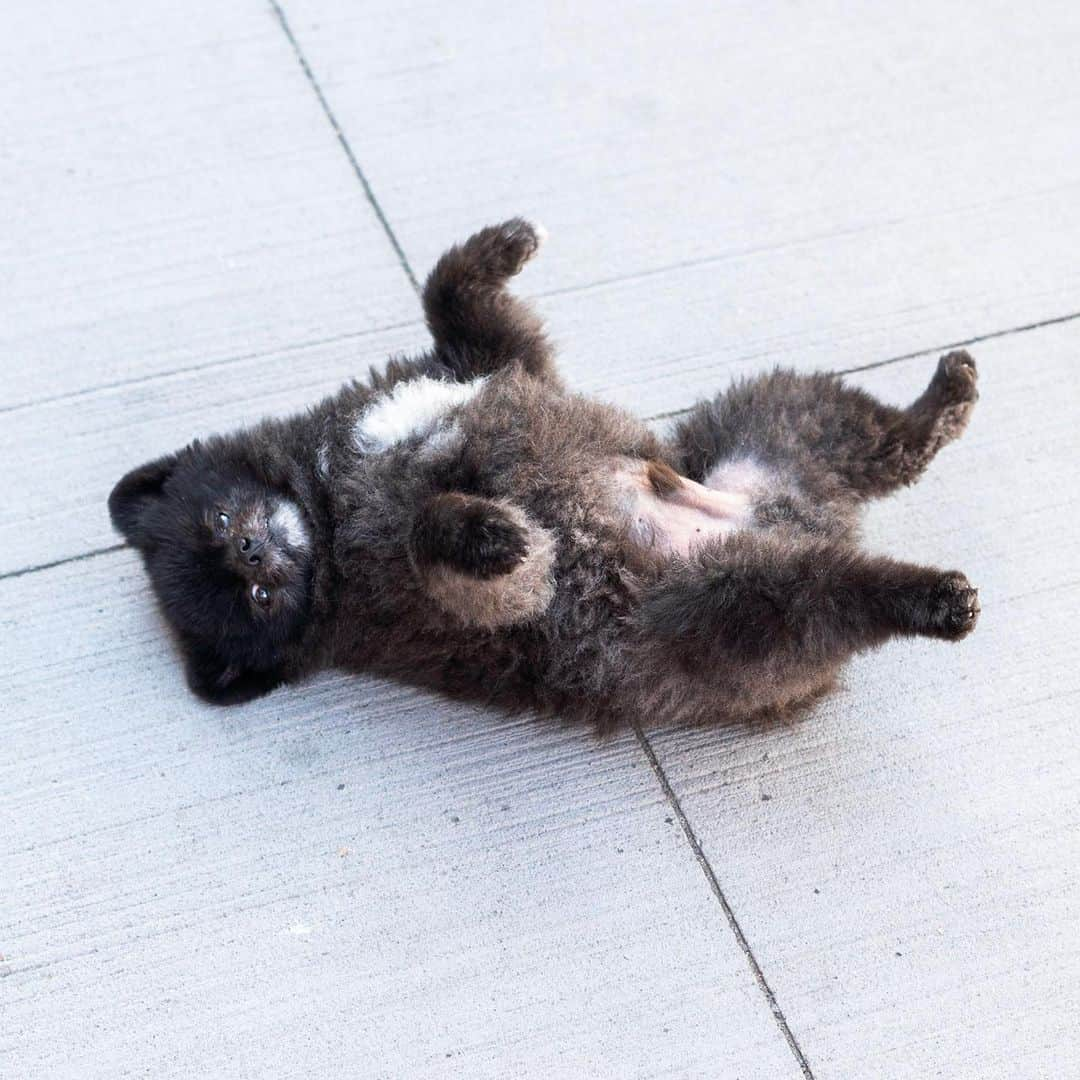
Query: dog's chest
[{"x": 416, "y": 409}]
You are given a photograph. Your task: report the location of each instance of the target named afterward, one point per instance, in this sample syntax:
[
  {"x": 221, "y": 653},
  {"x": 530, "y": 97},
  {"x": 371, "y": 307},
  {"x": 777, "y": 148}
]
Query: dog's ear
[
  {"x": 134, "y": 495},
  {"x": 222, "y": 683}
]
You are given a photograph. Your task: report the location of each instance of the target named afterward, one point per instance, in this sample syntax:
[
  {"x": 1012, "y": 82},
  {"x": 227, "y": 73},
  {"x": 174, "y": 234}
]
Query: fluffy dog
[{"x": 459, "y": 521}]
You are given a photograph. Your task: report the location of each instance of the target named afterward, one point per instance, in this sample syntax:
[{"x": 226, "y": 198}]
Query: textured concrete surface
[{"x": 219, "y": 211}]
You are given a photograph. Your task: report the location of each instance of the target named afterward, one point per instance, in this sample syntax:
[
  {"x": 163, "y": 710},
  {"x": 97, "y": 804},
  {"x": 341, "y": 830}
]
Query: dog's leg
[
  {"x": 758, "y": 622},
  {"x": 478, "y": 326},
  {"x": 939, "y": 416},
  {"x": 483, "y": 561},
  {"x": 824, "y": 431}
]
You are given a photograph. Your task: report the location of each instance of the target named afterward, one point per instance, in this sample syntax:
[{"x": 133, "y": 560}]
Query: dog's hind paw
[{"x": 953, "y": 608}]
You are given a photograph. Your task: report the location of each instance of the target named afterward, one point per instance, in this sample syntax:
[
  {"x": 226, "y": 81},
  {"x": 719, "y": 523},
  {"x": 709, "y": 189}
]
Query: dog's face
[{"x": 231, "y": 563}]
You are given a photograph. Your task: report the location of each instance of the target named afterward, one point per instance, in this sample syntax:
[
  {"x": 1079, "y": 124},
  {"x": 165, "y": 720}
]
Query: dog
[{"x": 461, "y": 522}]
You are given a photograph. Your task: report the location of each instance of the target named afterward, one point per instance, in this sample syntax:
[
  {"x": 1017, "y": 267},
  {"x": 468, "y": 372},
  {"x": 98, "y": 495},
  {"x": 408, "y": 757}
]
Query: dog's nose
[{"x": 251, "y": 549}]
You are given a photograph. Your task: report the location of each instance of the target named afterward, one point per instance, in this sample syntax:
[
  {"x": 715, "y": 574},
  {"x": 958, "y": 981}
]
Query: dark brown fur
[
  {"x": 663, "y": 479},
  {"x": 494, "y": 560}
]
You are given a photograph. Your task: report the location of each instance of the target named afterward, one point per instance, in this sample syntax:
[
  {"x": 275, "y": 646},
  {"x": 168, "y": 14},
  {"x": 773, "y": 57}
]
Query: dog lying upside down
[{"x": 459, "y": 521}]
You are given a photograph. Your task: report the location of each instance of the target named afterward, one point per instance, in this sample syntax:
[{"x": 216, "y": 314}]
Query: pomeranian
[{"x": 461, "y": 522}]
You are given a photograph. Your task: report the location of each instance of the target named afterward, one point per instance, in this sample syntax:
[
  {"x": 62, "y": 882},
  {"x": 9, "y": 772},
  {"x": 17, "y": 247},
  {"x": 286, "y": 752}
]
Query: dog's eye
[
  {"x": 260, "y": 595},
  {"x": 222, "y": 520}
]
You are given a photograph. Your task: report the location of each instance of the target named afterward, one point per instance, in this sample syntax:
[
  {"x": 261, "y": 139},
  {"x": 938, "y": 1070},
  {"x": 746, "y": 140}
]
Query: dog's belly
[{"x": 671, "y": 514}]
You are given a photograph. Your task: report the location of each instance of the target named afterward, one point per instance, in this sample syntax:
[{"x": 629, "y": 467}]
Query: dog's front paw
[
  {"x": 956, "y": 379},
  {"x": 490, "y": 543},
  {"x": 953, "y": 607},
  {"x": 519, "y": 241},
  {"x": 475, "y": 536}
]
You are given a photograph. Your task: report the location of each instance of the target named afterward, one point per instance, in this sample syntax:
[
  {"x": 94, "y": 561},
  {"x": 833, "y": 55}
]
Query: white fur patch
[
  {"x": 322, "y": 460},
  {"x": 416, "y": 407},
  {"x": 287, "y": 523},
  {"x": 744, "y": 475}
]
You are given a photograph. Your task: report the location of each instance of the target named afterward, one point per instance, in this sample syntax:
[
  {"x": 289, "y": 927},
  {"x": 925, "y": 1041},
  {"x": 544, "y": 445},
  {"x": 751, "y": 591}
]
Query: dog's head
[{"x": 230, "y": 557}]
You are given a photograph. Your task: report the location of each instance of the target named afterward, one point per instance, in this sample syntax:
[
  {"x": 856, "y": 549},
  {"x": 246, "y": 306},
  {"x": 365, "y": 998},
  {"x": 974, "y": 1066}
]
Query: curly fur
[{"x": 490, "y": 535}]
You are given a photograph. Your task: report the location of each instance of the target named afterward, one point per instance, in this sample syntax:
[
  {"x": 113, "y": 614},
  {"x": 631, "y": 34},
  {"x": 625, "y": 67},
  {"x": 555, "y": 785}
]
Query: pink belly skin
[{"x": 678, "y": 520}]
